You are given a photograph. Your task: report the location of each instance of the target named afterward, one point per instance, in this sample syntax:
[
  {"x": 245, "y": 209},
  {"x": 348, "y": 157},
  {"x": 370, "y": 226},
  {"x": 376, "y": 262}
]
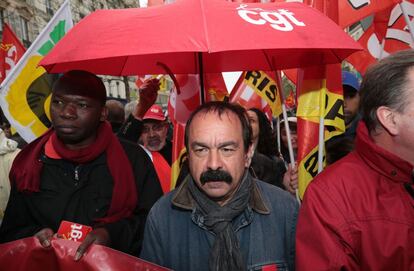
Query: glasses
[{"x": 154, "y": 127}]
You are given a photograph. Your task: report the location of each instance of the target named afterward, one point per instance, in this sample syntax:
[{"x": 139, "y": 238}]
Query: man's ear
[
  {"x": 388, "y": 119},
  {"x": 249, "y": 156},
  {"x": 104, "y": 113}
]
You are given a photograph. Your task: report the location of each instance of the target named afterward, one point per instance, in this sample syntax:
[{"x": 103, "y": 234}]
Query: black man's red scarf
[{"x": 27, "y": 167}]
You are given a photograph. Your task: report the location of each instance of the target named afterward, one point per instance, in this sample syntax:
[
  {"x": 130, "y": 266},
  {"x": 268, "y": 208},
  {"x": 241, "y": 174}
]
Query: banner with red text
[{"x": 28, "y": 254}]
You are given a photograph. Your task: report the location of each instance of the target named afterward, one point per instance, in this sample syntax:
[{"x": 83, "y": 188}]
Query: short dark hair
[
  {"x": 83, "y": 82},
  {"x": 384, "y": 85},
  {"x": 220, "y": 108}
]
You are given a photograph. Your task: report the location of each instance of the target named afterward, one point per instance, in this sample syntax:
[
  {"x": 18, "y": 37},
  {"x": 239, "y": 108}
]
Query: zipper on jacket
[{"x": 77, "y": 173}]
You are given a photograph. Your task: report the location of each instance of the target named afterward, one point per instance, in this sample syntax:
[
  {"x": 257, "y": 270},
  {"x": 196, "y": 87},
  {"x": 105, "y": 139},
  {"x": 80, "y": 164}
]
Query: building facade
[{"x": 27, "y": 18}]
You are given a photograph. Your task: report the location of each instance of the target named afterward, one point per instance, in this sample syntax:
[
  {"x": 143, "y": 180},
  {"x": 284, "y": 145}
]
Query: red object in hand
[{"x": 73, "y": 231}]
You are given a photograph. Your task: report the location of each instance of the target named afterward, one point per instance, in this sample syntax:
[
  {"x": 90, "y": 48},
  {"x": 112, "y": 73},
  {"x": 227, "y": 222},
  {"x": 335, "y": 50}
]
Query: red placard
[{"x": 73, "y": 231}]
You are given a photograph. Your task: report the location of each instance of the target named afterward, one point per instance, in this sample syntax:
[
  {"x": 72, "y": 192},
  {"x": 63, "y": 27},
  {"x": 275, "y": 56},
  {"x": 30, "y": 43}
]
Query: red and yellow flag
[
  {"x": 319, "y": 94},
  {"x": 259, "y": 90}
]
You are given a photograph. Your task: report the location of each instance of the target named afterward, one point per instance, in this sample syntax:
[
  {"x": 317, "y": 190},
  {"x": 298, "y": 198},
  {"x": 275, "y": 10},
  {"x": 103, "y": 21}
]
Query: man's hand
[
  {"x": 98, "y": 236},
  {"x": 147, "y": 96},
  {"x": 45, "y": 236},
  {"x": 290, "y": 179}
]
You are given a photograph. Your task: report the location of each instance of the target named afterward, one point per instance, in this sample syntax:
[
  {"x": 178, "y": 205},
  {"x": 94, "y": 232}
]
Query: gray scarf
[{"x": 225, "y": 253}]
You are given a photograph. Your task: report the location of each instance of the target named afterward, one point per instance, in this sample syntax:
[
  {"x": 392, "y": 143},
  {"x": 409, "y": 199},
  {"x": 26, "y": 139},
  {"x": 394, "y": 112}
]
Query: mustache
[{"x": 215, "y": 175}]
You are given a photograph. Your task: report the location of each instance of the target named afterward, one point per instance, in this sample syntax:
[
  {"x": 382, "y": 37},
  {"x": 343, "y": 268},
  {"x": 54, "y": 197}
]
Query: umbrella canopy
[{"x": 222, "y": 35}]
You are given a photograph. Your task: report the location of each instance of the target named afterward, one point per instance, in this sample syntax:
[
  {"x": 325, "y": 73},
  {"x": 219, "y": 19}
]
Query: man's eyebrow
[
  {"x": 228, "y": 143},
  {"x": 198, "y": 144}
]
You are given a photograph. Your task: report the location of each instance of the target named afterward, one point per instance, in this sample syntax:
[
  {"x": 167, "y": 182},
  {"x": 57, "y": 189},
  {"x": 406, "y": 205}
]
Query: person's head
[
  {"x": 262, "y": 132},
  {"x": 292, "y": 121},
  {"x": 77, "y": 108},
  {"x": 155, "y": 129},
  {"x": 116, "y": 114},
  {"x": 6, "y": 129},
  {"x": 350, "y": 86},
  {"x": 219, "y": 147},
  {"x": 387, "y": 102},
  {"x": 129, "y": 108}
]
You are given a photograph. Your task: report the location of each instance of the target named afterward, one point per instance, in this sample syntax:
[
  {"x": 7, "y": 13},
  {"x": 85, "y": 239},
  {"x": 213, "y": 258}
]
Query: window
[
  {"x": 48, "y": 6},
  {"x": 25, "y": 31},
  {"x": 1, "y": 20}
]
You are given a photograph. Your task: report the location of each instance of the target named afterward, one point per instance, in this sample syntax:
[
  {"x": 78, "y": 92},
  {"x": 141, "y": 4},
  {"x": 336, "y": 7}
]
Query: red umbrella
[{"x": 222, "y": 35}]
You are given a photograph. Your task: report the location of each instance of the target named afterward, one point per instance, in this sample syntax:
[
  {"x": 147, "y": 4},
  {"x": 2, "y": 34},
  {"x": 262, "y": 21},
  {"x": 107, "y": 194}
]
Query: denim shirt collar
[{"x": 183, "y": 198}]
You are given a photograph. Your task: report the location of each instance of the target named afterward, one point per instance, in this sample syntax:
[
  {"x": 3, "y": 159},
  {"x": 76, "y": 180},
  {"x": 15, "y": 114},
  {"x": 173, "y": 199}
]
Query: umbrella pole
[{"x": 201, "y": 73}]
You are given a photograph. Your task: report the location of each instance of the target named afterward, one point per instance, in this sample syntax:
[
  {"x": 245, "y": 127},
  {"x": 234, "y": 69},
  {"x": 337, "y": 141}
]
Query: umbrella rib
[
  {"x": 205, "y": 25},
  {"x": 337, "y": 57},
  {"x": 123, "y": 66}
]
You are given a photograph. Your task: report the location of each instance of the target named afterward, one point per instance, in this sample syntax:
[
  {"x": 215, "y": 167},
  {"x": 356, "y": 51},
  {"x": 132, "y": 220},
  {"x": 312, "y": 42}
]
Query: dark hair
[
  {"x": 337, "y": 148},
  {"x": 220, "y": 108},
  {"x": 267, "y": 144},
  {"x": 81, "y": 82},
  {"x": 384, "y": 84}
]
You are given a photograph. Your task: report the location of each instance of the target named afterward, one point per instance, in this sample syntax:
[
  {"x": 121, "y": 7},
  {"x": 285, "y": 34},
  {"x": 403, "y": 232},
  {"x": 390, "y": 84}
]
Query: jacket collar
[
  {"x": 183, "y": 198},
  {"x": 381, "y": 160}
]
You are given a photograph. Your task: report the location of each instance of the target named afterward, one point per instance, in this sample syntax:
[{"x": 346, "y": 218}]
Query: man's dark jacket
[{"x": 82, "y": 194}]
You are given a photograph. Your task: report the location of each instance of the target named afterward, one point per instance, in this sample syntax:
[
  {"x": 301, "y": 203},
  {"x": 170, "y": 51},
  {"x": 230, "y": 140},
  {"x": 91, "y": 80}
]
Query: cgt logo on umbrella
[{"x": 282, "y": 19}]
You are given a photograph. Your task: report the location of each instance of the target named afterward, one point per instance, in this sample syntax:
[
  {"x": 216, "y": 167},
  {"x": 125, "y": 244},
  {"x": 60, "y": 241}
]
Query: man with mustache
[
  {"x": 220, "y": 217},
  {"x": 80, "y": 172},
  {"x": 148, "y": 125}
]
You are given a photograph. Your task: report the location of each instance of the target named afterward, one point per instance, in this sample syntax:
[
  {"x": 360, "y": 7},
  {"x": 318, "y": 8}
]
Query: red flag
[
  {"x": 180, "y": 106},
  {"x": 397, "y": 38},
  {"x": 328, "y": 7},
  {"x": 215, "y": 87},
  {"x": 11, "y": 50},
  {"x": 351, "y": 11}
]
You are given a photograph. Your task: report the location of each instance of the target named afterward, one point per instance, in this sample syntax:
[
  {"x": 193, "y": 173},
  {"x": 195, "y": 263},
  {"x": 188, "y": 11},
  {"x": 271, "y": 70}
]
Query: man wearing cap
[
  {"x": 148, "y": 125},
  {"x": 335, "y": 146},
  {"x": 350, "y": 85}
]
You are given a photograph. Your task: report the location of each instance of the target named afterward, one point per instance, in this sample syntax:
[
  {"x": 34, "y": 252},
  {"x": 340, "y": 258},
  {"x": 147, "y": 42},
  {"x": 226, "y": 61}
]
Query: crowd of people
[{"x": 108, "y": 166}]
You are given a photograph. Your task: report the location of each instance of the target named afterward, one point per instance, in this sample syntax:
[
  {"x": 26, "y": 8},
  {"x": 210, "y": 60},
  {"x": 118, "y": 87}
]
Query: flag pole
[
  {"x": 287, "y": 129},
  {"x": 321, "y": 143}
]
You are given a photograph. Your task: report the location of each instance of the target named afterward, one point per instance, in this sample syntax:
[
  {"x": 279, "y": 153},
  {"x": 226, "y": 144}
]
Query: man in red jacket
[{"x": 358, "y": 214}]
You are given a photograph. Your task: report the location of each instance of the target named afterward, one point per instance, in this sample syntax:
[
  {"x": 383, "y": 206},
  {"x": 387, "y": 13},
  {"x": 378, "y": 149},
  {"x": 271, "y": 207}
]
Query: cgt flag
[
  {"x": 25, "y": 93},
  {"x": 11, "y": 50},
  {"x": 320, "y": 94}
]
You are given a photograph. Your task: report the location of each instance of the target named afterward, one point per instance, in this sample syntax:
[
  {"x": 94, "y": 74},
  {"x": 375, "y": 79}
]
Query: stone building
[{"x": 27, "y": 18}]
